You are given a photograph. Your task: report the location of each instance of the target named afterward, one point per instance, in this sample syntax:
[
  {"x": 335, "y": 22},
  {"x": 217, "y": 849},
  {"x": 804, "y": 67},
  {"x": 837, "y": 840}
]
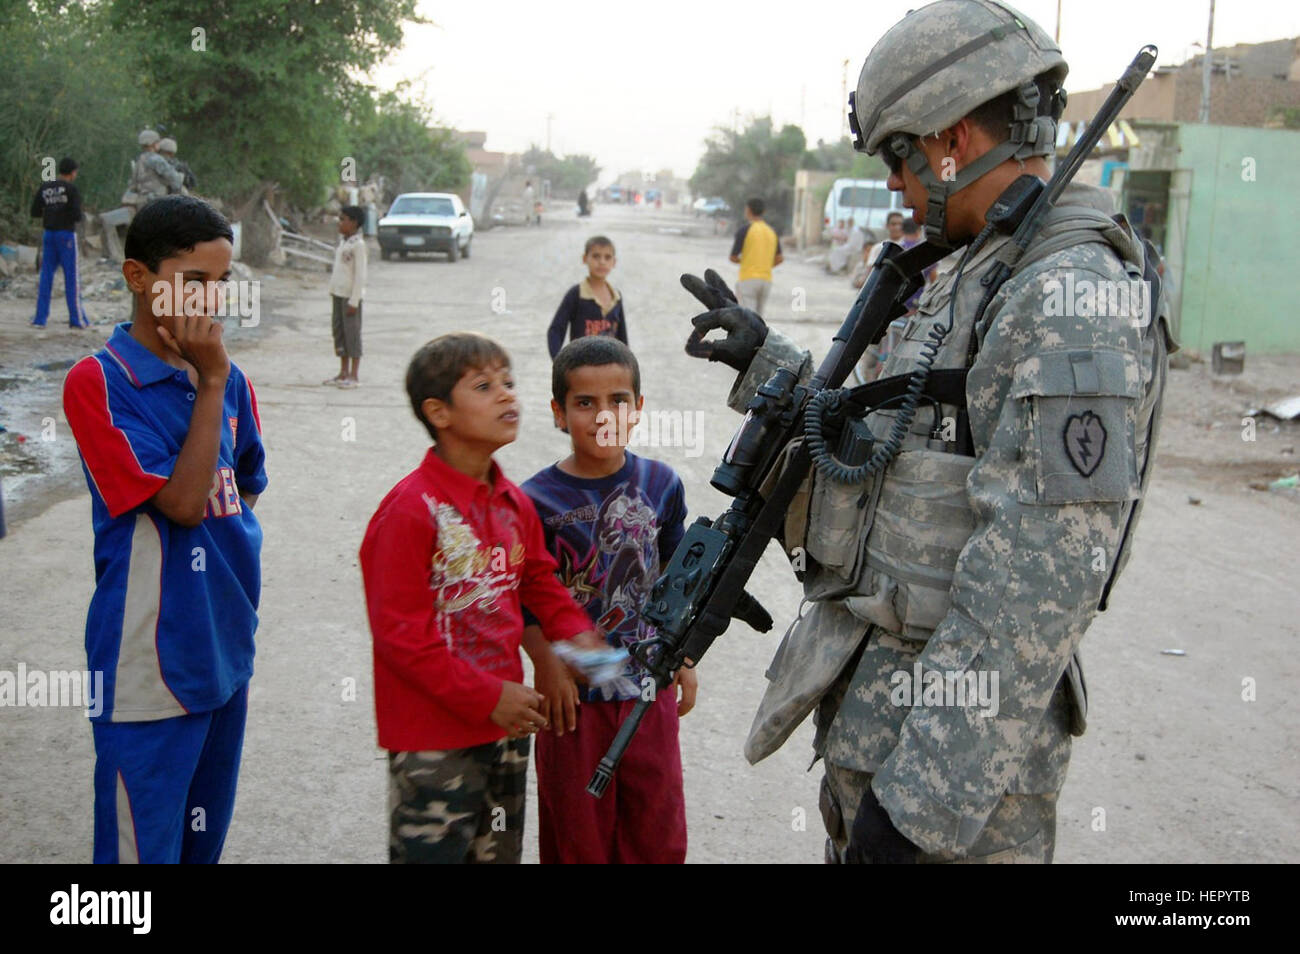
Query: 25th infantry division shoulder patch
[{"x": 1085, "y": 441}]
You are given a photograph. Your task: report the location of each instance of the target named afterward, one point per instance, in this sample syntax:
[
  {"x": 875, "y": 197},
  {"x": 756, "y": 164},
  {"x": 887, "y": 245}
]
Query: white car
[
  {"x": 426, "y": 222},
  {"x": 714, "y": 206},
  {"x": 860, "y": 203}
]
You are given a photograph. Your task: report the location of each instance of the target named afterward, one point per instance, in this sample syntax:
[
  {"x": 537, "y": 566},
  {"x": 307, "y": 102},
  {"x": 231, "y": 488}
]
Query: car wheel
[
  {"x": 402, "y": 253},
  {"x": 464, "y": 253},
  {"x": 453, "y": 252},
  {"x": 385, "y": 254}
]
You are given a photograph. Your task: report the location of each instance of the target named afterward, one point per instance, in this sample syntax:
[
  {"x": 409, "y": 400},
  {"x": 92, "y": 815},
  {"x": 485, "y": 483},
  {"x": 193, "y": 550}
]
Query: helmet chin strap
[{"x": 1031, "y": 135}]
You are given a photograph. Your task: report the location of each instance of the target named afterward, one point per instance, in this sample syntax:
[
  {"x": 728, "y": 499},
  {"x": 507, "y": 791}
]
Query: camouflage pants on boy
[{"x": 459, "y": 806}]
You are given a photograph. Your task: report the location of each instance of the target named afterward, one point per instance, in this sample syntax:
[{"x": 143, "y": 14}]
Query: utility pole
[
  {"x": 549, "y": 117},
  {"x": 1057, "y": 36},
  {"x": 844, "y": 100},
  {"x": 1207, "y": 67}
]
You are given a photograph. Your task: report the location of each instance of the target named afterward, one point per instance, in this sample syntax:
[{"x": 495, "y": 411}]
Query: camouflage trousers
[
  {"x": 459, "y": 806},
  {"x": 1021, "y": 830}
]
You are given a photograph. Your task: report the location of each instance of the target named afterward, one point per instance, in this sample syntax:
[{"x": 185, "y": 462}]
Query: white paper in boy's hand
[{"x": 599, "y": 666}]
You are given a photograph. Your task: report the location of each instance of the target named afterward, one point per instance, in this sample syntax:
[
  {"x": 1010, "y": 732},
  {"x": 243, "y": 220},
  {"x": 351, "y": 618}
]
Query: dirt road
[{"x": 1175, "y": 766}]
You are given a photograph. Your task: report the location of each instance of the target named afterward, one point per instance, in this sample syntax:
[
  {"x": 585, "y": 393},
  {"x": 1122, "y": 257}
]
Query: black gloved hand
[
  {"x": 874, "y": 839},
  {"x": 746, "y": 331}
]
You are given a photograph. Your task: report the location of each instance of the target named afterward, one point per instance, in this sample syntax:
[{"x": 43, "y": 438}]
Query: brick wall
[
  {"x": 1241, "y": 101},
  {"x": 1176, "y": 97}
]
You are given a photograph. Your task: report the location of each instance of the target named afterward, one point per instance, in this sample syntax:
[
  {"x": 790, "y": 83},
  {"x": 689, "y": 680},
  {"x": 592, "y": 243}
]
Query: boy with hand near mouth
[
  {"x": 449, "y": 559},
  {"x": 593, "y": 306},
  {"x": 611, "y": 519},
  {"x": 171, "y": 443}
]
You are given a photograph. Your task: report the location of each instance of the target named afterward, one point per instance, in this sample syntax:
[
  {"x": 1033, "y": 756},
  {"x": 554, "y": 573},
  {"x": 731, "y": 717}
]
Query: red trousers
[{"x": 642, "y": 817}]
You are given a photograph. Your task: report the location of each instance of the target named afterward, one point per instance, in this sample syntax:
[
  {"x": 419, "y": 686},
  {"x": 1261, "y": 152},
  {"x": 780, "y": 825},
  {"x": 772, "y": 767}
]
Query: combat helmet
[
  {"x": 147, "y": 137},
  {"x": 938, "y": 64},
  {"x": 167, "y": 145}
]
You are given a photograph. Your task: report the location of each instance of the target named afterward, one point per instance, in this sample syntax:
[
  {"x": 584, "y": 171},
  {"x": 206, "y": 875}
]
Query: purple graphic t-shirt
[{"x": 609, "y": 536}]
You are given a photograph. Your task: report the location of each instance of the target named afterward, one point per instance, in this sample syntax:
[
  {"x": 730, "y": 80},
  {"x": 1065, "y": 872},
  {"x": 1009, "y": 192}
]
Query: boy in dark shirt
[
  {"x": 58, "y": 205},
  {"x": 593, "y": 306},
  {"x": 611, "y": 519}
]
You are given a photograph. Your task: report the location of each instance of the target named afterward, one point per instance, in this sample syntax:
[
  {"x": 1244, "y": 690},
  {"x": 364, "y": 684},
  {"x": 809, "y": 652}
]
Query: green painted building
[{"x": 1223, "y": 205}]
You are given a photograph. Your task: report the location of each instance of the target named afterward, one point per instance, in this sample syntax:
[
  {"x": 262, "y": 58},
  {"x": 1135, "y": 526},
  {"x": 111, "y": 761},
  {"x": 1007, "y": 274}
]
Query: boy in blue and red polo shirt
[
  {"x": 450, "y": 558},
  {"x": 170, "y": 441}
]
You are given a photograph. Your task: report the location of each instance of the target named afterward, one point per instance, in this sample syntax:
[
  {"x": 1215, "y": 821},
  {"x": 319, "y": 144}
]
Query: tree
[
  {"x": 841, "y": 158},
  {"x": 398, "y": 140},
  {"x": 567, "y": 174},
  {"x": 760, "y": 162},
  {"x": 1287, "y": 117},
  {"x": 53, "y": 108},
  {"x": 260, "y": 90}
]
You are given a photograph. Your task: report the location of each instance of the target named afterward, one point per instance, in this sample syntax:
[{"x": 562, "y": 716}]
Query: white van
[{"x": 859, "y": 202}]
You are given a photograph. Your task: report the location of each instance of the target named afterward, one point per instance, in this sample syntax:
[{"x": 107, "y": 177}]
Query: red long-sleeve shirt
[{"x": 446, "y": 563}]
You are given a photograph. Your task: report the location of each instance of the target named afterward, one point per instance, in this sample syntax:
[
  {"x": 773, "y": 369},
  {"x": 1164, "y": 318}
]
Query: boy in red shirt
[{"x": 447, "y": 560}]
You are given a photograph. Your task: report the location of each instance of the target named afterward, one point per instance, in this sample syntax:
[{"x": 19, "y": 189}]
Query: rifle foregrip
[{"x": 749, "y": 610}]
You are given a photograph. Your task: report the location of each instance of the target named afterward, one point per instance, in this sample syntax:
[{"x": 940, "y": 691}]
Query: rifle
[
  {"x": 702, "y": 589},
  {"x": 695, "y": 598}
]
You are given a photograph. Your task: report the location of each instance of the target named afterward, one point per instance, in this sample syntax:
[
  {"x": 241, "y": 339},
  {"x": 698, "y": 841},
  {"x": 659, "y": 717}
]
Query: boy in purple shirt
[{"x": 611, "y": 519}]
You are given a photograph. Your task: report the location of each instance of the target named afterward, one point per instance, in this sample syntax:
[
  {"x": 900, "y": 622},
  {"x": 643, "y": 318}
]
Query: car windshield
[
  {"x": 864, "y": 197},
  {"x": 422, "y": 205}
]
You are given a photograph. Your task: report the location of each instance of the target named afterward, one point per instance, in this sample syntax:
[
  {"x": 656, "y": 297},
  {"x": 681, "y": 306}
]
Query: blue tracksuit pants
[
  {"x": 60, "y": 250},
  {"x": 165, "y": 790}
]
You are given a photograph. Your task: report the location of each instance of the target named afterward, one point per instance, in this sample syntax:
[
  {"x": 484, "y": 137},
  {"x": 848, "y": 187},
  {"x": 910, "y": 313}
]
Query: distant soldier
[
  {"x": 151, "y": 175},
  {"x": 168, "y": 149}
]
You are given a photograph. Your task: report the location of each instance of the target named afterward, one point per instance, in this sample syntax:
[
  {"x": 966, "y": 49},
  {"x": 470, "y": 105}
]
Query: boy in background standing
[
  {"x": 347, "y": 287},
  {"x": 58, "y": 205},
  {"x": 593, "y": 306}
]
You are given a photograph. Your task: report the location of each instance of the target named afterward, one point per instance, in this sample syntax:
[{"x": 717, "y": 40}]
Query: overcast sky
[{"x": 639, "y": 86}]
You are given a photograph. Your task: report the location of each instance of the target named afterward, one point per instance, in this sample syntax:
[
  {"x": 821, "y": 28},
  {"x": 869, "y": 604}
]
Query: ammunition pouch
[{"x": 888, "y": 549}]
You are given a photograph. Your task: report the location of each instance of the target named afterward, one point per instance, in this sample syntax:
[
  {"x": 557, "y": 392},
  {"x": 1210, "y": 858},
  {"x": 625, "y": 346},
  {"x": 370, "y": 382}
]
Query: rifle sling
[{"x": 946, "y": 385}]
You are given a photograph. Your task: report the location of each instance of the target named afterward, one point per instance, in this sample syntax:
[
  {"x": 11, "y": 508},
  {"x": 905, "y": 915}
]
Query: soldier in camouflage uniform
[
  {"x": 167, "y": 148},
  {"x": 152, "y": 176},
  {"x": 986, "y": 567}
]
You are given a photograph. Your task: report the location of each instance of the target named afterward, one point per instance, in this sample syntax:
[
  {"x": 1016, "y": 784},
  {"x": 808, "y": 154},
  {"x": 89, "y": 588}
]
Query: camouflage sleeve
[
  {"x": 777, "y": 351},
  {"x": 1054, "y": 409},
  {"x": 166, "y": 171}
]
